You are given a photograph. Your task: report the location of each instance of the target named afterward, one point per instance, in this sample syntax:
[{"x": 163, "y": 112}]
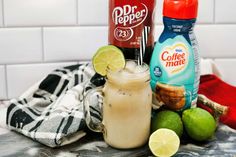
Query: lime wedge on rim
[
  {"x": 108, "y": 56},
  {"x": 164, "y": 143}
]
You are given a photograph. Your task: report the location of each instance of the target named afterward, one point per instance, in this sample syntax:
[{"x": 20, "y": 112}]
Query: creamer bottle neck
[{"x": 179, "y": 26}]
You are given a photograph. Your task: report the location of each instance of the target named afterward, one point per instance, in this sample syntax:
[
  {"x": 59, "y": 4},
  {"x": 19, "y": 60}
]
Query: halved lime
[
  {"x": 164, "y": 143},
  {"x": 108, "y": 56}
]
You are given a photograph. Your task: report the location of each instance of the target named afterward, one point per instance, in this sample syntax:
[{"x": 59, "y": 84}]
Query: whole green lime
[
  {"x": 169, "y": 120},
  {"x": 199, "y": 124}
]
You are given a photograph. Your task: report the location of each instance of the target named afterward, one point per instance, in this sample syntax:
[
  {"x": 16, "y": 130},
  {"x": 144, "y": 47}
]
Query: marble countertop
[
  {"x": 3, "y": 111},
  {"x": 13, "y": 144}
]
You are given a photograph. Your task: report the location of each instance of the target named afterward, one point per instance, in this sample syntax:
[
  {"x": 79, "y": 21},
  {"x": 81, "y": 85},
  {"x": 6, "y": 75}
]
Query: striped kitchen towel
[{"x": 51, "y": 112}]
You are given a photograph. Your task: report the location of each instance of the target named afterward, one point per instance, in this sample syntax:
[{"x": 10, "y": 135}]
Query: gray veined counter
[{"x": 15, "y": 145}]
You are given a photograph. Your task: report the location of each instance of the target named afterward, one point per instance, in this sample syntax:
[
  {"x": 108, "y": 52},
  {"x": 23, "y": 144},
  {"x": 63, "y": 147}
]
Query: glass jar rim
[
  {"x": 128, "y": 78},
  {"x": 146, "y": 69}
]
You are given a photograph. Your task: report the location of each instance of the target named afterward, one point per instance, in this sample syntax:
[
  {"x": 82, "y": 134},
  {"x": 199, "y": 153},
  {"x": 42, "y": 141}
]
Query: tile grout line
[
  {"x": 77, "y": 11},
  {"x": 42, "y": 40},
  {"x": 40, "y": 62},
  {"x": 6, "y": 80},
  {"x": 214, "y": 11},
  {"x": 3, "y": 15},
  {"x": 57, "y": 26}
]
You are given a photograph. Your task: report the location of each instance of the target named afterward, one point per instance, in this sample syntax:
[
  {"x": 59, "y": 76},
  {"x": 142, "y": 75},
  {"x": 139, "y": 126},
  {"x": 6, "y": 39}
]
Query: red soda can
[{"x": 127, "y": 19}]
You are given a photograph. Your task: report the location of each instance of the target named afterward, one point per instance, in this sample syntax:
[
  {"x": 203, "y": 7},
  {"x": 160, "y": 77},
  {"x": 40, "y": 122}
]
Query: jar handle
[{"x": 96, "y": 127}]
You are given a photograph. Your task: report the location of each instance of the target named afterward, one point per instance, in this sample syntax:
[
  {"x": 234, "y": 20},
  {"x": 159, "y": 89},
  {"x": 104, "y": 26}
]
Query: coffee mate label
[
  {"x": 172, "y": 70},
  {"x": 174, "y": 58},
  {"x": 127, "y": 19}
]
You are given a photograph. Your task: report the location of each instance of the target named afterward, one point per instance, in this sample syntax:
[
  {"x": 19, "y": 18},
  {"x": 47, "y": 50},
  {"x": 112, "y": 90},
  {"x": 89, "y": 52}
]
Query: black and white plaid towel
[{"x": 51, "y": 112}]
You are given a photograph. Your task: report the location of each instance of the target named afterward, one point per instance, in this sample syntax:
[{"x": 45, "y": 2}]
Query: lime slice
[
  {"x": 164, "y": 143},
  {"x": 108, "y": 56}
]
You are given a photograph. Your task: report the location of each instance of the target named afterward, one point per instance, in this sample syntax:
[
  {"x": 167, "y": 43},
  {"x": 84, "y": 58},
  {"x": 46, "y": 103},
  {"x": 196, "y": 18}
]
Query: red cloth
[{"x": 217, "y": 90}]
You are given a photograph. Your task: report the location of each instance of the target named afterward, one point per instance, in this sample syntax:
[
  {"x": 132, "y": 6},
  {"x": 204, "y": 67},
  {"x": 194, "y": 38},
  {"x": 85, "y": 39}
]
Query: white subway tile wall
[
  {"x": 1, "y": 16},
  {"x": 98, "y": 12},
  {"x": 39, "y": 13},
  {"x": 225, "y": 11},
  {"x": 73, "y": 43},
  {"x": 20, "y": 45},
  {"x": 206, "y": 11},
  {"x": 22, "y": 76},
  {"x": 226, "y": 68},
  {"x": 39, "y": 36},
  {"x": 158, "y": 11},
  {"x": 216, "y": 41},
  {"x": 3, "y": 88}
]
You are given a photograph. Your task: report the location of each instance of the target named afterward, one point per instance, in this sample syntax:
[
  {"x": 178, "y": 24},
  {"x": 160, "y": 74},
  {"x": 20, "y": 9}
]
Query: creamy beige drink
[{"x": 127, "y": 106}]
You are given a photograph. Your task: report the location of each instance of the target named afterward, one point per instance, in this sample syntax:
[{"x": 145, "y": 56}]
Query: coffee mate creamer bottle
[{"x": 174, "y": 64}]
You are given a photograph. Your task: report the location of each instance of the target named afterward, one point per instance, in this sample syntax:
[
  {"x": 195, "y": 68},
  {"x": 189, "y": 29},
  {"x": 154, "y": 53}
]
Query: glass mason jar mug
[{"x": 126, "y": 109}]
